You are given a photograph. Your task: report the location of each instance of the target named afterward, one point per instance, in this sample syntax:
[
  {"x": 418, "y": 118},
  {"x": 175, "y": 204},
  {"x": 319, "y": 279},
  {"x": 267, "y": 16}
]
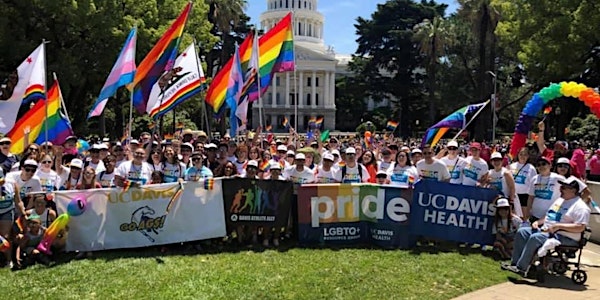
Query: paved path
[{"x": 555, "y": 287}]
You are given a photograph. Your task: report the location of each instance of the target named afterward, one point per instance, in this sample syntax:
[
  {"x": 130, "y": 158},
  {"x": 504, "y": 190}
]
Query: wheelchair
[{"x": 557, "y": 261}]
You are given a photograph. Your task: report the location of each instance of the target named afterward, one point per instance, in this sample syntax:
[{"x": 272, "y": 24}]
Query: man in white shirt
[
  {"x": 326, "y": 173},
  {"x": 476, "y": 168},
  {"x": 135, "y": 170},
  {"x": 94, "y": 160},
  {"x": 565, "y": 220},
  {"x": 430, "y": 168},
  {"x": 544, "y": 190},
  {"x": 353, "y": 172},
  {"x": 25, "y": 179}
]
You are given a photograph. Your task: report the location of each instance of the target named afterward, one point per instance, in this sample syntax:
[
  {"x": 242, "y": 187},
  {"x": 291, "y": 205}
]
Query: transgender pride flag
[{"x": 121, "y": 74}]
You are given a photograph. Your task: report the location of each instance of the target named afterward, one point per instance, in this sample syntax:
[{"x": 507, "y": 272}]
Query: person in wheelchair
[{"x": 565, "y": 220}]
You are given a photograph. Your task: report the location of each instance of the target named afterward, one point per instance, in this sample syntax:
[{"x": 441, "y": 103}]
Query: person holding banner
[
  {"x": 544, "y": 190},
  {"x": 326, "y": 173},
  {"x": 430, "y": 168},
  {"x": 501, "y": 179},
  {"x": 173, "y": 169},
  {"x": 199, "y": 170},
  {"x": 523, "y": 173},
  {"x": 402, "y": 171},
  {"x": 564, "y": 220},
  {"x": 476, "y": 168},
  {"x": 453, "y": 162},
  {"x": 353, "y": 172},
  {"x": 135, "y": 170}
]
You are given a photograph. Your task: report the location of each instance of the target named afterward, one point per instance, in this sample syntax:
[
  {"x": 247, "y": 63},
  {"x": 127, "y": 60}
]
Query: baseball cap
[
  {"x": 77, "y": 163},
  {"x": 335, "y": 152},
  {"x": 282, "y": 148},
  {"x": 496, "y": 155},
  {"x": 416, "y": 150},
  {"x": 543, "y": 158},
  {"x": 252, "y": 163},
  {"x": 564, "y": 144},
  {"x": 563, "y": 160},
  {"x": 300, "y": 156},
  {"x": 134, "y": 142},
  {"x": 275, "y": 166},
  {"x": 453, "y": 143},
  {"x": 350, "y": 150},
  {"x": 30, "y": 162},
  {"x": 71, "y": 138},
  {"x": 5, "y": 139},
  {"x": 188, "y": 145},
  {"x": 476, "y": 145},
  {"x": 328, "y": 156},
  {"x": 381, "y": 173},
  {"x": 290, "y": 153},
  {"x": 210, "y": 146},
  {"x": 572, "y": 182},
  {"x": 201, "y": 133},
  {"x": 502, "y": 202}
]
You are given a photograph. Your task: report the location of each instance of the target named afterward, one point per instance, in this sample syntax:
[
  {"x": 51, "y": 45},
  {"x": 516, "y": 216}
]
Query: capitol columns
[
  {"x": 313, "y": 94},
  {"x": 326, "y": 92}
]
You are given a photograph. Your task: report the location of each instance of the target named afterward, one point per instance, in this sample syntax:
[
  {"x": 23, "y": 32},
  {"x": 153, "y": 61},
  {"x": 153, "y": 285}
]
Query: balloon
[
  {"x": 60, "y": 224},
  {"x": 82, "y": 146},
  {"x": 517, "y": 143},
  {"x": 368, "y": 134},
  {"x": 77, "y": 206}
]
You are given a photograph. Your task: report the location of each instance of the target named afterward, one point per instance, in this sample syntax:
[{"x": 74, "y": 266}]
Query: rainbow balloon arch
[{"x": 555, "y": 90}]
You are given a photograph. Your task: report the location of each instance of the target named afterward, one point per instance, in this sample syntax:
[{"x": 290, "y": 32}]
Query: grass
[{"x": 292, "y": 274}]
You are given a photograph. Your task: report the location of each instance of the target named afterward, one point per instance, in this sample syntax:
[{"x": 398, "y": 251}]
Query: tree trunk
[{"x": 482, "y": 90}]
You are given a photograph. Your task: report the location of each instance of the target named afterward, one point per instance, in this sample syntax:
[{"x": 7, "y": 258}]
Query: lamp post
[{"x": 493, "y": 107}]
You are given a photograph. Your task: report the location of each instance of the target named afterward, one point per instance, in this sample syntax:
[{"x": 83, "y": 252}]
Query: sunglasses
[
  {"x": 5, "y": 143},
  {"x": 251, "y": 168},
  {"x": 89, "y": 173},
  {"x": 196, "y": 159},
  {"x": 47, "y": 162},
  {"x": 30, "y": 170},
  {"x": 541, "y": 164},
  {"x": 34, "y": 149},
  {"x": 562, "y": 166},
  {"x": 452, "y": 148},
  {"x": 118, "y": 150},
  {"x": 139, "y": 154}
]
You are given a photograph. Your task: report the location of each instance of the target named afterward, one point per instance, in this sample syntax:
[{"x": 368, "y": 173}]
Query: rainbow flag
[
  {"x": 547, "y": 110},
  {"x": 33, "y": 93},
  {"x": 4, "y": 244},
  {"x": 209, "y": 183},
  {"x": 265, "y": 166},
  {"x": 276, "y": 49},
  {"x": 160, "y": 59},
  {"x": 392, "y": 125},
  {"x": 59, "y": 126},
  {"x": 20, "y": 222},
  {"x": 122, "y": 73},
  {"x": 35, "y": 119},
  {"x": 319, "y": 122},
  {"x": 186, "y": 79},
  {"x": 457, "y": 119}
]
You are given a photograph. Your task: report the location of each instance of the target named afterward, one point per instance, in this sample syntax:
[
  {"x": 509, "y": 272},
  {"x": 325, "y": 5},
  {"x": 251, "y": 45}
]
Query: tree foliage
[{"x": 583, "y": 129}]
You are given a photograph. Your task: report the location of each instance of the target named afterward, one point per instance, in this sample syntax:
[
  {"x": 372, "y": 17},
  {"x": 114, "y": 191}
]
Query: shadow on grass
[{"x": 552, "y": 281}]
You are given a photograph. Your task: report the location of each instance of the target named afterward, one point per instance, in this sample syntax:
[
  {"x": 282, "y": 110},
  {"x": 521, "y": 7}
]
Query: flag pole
[
  {"x": 296, "y": 95},
  {"x": 202, "y": 94},
  {"x": 260, "y": 103},
  {"x": 130, "y": 121},
  {"x": 473, "y": 118},
  {"x": 44, "y": 42}
]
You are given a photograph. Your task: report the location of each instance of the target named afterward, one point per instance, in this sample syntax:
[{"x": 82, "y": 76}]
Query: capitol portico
[{"x": 312, "y": 85}]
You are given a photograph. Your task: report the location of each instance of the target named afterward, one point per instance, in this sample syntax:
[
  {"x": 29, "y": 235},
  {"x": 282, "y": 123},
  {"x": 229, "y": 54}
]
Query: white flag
[
  {"x": 250, "y": 78},
  {"x": 185, "y": 80},
  {"x": 28, "y": 83}
]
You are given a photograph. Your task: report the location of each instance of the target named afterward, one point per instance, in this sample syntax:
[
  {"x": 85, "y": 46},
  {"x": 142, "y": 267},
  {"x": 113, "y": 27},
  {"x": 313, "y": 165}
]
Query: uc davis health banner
[
  {"x": 453, "y": 212},
  {"x": 342, "y": 214},
  {"x": 256, "y": 202},
  {"x": 115, "y": 219}
]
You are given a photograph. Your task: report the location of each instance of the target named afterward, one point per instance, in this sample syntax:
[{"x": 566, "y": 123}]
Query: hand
[
  {"x": 541, "y": 126},
  {"x": 26, "y": 130},
  {"x": 554, "y": 228},
  {"x": 535, "y": 225}
]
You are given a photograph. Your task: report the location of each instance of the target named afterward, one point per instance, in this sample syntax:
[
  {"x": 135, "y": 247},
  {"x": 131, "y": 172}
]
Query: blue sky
[{"x": 340, "y": 16}]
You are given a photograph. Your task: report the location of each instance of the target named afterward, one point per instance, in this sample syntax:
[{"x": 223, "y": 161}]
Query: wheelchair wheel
[
  {"x": 560, "y": 267},
  {"x": 579, "y": 277}
]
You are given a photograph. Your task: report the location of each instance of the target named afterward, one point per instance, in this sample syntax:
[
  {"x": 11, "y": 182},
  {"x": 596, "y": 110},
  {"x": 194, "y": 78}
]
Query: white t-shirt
[
  {"x": 401, "y": 176},
  {"x": 455, "y": 168},
  {"x": 331, "y": 176},
  {"x": 25, "y": 187},
  {"x": 298, "y": 178},
  {"x": 545, "y": 190},
  {"x": 385, "y": 166},
  {"x": 106, "y": 180},
  {"x": 473, "y": 171},
  {"x": 136, "y": 173},
  {"x": 7, "y": 197},
  {"x": 523, "y": 175},
  {"x": 437, "y": 170},
  {"x": 573, "y": 211},
  {"x": 498, "y": 181},
  {"x": 173, "y": 172},
  {"x": 50, "y": 181},
  {"x": 353, "y": 175},
  {"x": 99, "y": 167}
]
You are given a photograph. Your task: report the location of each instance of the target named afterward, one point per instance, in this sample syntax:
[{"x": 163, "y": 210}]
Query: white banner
[{"x": 115, "y": 219}]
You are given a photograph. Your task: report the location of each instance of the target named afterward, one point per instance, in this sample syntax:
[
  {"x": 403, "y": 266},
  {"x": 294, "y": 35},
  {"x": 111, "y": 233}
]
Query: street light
[{"x": 493, "y": 107}]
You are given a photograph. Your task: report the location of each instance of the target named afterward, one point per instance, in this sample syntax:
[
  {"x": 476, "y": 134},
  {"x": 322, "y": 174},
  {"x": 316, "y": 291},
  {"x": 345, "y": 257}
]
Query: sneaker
[
  {"x": 505, "y": 265},
  {"x": 10, "y": 265},
  {"x": 516, "y": 270}
]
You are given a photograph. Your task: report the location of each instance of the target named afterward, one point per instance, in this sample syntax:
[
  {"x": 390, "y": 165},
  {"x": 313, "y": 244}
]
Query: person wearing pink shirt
[
  {"x": 578, "y": 159},
  {"x": 595, "y": 167}
]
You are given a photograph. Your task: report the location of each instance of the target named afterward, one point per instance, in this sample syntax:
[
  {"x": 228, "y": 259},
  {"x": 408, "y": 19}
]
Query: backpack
[{"x": 360, "y": 174}]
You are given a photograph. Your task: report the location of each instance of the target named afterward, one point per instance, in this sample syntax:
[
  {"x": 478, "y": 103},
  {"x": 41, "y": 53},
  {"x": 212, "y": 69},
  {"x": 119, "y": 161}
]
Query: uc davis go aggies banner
[
  {"x": 354, "y": 213},
  {"x": 137, "y": 217}
]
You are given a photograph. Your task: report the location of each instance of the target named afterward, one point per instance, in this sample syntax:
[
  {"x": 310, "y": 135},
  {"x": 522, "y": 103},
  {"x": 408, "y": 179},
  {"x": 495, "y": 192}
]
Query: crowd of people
[{"x": 529, "y": 188}]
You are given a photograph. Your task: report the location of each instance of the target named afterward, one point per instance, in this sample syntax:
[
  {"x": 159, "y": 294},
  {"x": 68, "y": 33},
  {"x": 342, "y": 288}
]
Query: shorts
[
  {"x": 8, "y": 216},
  {"x": 523, "y": 199}
]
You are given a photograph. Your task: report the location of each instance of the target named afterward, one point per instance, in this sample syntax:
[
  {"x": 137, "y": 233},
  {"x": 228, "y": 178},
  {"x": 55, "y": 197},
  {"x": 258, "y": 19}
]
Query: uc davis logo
[{"x": 143, "y": 221}]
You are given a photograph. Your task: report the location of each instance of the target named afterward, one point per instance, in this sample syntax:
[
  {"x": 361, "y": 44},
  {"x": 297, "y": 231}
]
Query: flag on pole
[
  {"x": 457, "y": 119},
  {"x": 319, "y": 122},
  {"x": 27, "y": 84},
  {"x": 59, "y": 126},
  {"x": 160, "y": 59},
  {"x": 250, "y": 78},
  {"x": 183, "y": 81},
  {"x": 234, "y": 91},
  {"x": 392, "y": 125},
  {"x": 122, "y": 74}
]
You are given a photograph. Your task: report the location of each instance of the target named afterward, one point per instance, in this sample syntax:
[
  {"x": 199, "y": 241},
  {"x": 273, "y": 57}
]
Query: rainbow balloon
[
  {"x": 60, "y": 224},
  {"x": 4, "y": 244},
  {"x": 82, "y": 146},
  {"x": 555, "y": 90}
]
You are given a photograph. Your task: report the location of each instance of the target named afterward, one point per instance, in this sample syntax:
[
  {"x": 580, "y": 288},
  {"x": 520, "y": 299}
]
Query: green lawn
[{"x": 293, "y": 274}]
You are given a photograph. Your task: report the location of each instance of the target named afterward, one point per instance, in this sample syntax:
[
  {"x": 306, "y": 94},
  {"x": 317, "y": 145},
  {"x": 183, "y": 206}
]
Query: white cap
[
  {"x": 290, "y": 152},
  {"x": 275, "y": 166},
  {"x": 563, "y": 160},
  {"x": 416, "y": 150},
  {"x": 134, "y": 142},
  {"x": 5, "y": 139},
  {"x": 350, "y": 150},
  {"x": 103, "y": 146},
  {"x": 210, "y": 145},
  {"x": 404, "y": 149},
  {"x": 188, "y": 145},
  {"x": 335, "y": 152},
  {"x": 281, "y": 148},
  {"x": 106, "y": 139},
  {"x": 502, "y": 202},
  {"x": 77, "y": 163},
  {"x": 496, "y": 155},
  {"x": 96, "y": 147},
  {"x": 252, "y": 163},
  {"x": 572, "y": 181},
  {"x": 328, "y": 156},
  {"x": 381, "y": 172},
  {"x": 300, "y": 156},
  {"x": 452, "y": 143},
  {"x": 30, "y": 162}
]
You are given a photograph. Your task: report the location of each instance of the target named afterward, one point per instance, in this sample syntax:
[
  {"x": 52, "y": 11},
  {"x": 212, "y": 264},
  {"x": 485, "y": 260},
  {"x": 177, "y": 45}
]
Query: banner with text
[
  {"x": 256, "y": 202},
  {"x": 113, "y": 218},
  {"x": 453, "y": 212},
  {"x": 343, "y": 214}
]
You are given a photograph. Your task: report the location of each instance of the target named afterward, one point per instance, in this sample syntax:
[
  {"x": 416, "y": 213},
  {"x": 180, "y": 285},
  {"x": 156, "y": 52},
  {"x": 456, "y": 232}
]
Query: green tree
[{"x": 583, "y": 129}]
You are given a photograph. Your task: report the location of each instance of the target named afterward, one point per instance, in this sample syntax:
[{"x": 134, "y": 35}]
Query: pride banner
[
  {"x": 256, "y": 202},
  {"x": 453, "y": 212},
  {"x": 344, "y": 214},
  {"x": 113, "y": 218}
]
